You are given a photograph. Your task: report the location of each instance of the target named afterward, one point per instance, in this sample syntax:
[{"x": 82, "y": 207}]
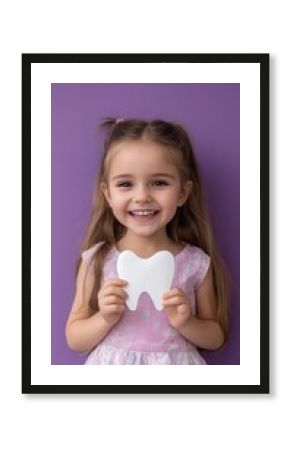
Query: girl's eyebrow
[
  {"x": 128, "y": 175},
  {"x": 166, "y": 175},
  {"x": 124, "y": 175}
]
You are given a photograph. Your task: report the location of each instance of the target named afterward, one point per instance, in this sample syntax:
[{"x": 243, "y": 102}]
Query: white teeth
[{"x": 142, "y": 213}]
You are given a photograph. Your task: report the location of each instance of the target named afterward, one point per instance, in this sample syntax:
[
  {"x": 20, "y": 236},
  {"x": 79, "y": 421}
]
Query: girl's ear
[{"x": 185, "y": 192}]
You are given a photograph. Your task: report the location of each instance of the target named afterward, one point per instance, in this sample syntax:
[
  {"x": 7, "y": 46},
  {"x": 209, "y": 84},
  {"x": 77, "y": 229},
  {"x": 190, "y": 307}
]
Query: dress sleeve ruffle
[
  {"x": 88, "y": 254},
  {"x": 203, "y": 267}
]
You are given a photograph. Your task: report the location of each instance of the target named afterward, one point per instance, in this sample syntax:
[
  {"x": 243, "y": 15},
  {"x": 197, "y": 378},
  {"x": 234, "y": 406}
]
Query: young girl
[{"x": 148, "y": 198}]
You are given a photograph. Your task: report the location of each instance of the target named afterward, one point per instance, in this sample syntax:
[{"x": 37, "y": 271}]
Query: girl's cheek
[
  {"x": 117, "y": 197},
  {"x": 120, "y": 202}
]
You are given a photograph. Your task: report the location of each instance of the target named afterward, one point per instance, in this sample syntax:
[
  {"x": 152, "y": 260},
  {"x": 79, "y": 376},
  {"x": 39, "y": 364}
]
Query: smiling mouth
[{"x": 143, "y": 212}]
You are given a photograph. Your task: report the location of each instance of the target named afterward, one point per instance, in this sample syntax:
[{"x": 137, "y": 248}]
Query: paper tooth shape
[{"x": 153, "y": 275}]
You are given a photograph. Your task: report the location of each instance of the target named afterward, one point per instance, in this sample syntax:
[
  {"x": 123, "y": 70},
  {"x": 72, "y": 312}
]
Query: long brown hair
[{"x": 191, "y": 222}]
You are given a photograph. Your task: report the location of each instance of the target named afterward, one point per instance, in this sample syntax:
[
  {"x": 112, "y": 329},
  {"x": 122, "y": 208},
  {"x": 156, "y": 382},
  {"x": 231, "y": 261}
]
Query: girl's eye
[
  {"x": 156, "y": 183},
  {"x": 124, "y": 184},
  {"x": 160, "y": 183}
]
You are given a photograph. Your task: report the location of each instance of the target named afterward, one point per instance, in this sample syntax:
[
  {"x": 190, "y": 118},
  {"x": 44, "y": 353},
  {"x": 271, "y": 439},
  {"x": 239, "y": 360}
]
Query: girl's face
[{"x": 143, "y": 186}]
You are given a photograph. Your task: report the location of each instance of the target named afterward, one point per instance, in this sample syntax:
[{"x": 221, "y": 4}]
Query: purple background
[{"x": 210, "y": 113}]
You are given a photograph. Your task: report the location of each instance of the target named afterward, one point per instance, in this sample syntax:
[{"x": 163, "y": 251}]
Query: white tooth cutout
[{"x": 153, "y": 275}]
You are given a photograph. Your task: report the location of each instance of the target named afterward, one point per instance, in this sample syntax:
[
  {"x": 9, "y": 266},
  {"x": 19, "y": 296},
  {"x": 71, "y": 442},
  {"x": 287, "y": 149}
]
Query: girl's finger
[
  {"x": 174, "y": 301},
  {"x": 114, "y": 308},
  {"x": 183, "y": 308},
  {"x": 114, "y": 282},
  {"x": 112, "y": 300},
  {"x": 172, "y": 293},
  {"x": 113, "y": 290}
]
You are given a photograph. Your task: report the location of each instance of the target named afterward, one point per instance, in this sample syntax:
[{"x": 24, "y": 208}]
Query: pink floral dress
[{"x": 145, "y": 336}]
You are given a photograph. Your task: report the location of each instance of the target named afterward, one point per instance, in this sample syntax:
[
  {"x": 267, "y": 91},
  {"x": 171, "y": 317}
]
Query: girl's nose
[{"x": 142, "y": 194}]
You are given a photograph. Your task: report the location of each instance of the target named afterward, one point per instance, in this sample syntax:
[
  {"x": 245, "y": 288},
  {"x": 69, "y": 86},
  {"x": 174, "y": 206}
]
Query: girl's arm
[
  {"x": 85, "y": 328},
  {"x": 203, "y": 330}
]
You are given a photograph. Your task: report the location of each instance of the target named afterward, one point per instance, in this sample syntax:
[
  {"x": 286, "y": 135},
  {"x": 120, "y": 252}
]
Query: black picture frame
[{"x": 263, "y": 61}]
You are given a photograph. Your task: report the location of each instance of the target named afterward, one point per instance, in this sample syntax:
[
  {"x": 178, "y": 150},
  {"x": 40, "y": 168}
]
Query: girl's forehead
[{"x": 140, "y": 154}]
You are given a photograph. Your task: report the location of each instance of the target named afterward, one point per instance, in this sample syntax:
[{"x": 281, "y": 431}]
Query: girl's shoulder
[
  {"x": 88, "y": 254},
  {"x": 196, "y": 251}
]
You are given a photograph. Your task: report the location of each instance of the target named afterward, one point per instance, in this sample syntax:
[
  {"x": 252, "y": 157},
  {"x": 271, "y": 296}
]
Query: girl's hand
[
  {"x": 177, "y": 307},
  {"x": 111, "y": 300}
]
